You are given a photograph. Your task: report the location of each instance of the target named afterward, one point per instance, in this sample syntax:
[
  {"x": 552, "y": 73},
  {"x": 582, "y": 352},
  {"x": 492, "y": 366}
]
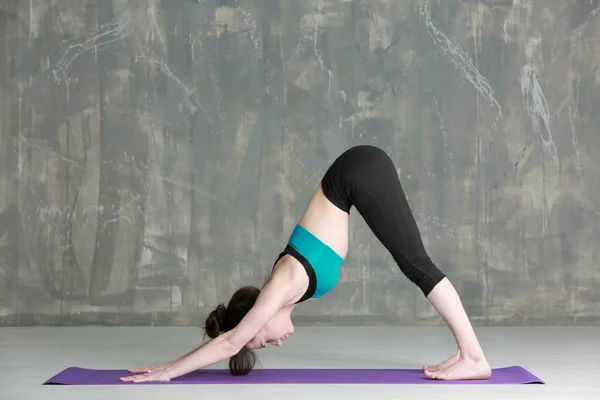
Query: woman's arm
[
  {"x": 273, "y": 296},
  {"x": 277, "y": 293},
  {"x": 162, "y": 366}
]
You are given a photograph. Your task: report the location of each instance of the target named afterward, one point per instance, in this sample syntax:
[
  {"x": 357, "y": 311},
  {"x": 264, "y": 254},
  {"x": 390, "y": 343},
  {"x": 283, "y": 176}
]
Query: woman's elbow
[{"x": 231, "y": 344}]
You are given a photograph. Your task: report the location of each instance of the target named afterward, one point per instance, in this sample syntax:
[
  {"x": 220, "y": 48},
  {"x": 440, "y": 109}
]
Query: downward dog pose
[{"x": 308, "y": 268}]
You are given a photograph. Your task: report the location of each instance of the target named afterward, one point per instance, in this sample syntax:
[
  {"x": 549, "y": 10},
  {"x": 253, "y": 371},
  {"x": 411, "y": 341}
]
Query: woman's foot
[
  {"x": 443, "y": 365},
  {"x": 471, "y": 363},
  {"x": 463, "y": 369}
]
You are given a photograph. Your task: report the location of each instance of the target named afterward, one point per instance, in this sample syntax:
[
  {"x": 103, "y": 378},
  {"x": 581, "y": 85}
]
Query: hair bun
[{"x": 215, "y": 321}]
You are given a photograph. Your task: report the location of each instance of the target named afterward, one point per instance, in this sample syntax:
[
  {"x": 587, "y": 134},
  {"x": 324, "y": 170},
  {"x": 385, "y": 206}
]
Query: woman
[{"x": 363, "y": 177}]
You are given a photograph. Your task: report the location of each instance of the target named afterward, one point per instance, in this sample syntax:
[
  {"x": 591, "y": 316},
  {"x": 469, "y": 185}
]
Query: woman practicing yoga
[{"x": 308, "y": 268}]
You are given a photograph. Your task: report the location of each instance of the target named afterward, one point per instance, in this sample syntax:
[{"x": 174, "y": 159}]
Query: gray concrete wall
[{"x": 155, "y": 155}]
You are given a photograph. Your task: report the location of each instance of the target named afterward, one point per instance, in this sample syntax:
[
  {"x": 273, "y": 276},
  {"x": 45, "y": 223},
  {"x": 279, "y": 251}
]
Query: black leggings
[{"x": 366, "y": 178}]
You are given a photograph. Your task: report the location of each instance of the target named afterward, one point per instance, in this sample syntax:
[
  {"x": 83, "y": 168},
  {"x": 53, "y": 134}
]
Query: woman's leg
[
  {"x": 370, "y": 179},
  {"x": 469, "y": 361}
]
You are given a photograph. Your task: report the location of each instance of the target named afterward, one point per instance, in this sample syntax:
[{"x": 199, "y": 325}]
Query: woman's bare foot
[
  {"x": 443, "y": 365},
  {"x": 471, "y": 362},
  {"x": 464, "y": 368}
]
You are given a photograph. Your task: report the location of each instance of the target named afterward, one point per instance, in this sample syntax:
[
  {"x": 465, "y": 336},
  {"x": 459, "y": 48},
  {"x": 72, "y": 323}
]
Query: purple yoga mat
[{"x": 81, "y": 376}]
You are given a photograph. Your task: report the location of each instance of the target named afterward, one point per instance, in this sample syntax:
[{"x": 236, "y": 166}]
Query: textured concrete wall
[{"x": 155, "y": 155}]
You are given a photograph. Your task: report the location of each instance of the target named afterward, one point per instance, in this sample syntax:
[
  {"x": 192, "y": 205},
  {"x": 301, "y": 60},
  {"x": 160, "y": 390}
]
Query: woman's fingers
[
  {"x": 135, "y": 378},
  {"x": 154, "y": 367},
  {"x": 138, "y": 370},
  {"x": 156, "y": 376}
]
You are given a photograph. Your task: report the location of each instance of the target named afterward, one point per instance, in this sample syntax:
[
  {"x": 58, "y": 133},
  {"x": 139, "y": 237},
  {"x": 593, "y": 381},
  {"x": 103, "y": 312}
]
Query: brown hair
[{"x": 224, "y": 319}]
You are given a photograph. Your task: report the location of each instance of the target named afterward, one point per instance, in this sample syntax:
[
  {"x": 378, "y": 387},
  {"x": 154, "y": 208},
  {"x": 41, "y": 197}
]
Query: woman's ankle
[{"x": 473, "y": 355}]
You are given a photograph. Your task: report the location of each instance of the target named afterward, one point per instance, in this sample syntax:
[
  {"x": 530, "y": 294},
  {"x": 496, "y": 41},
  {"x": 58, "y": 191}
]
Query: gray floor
[{"x": 567, "y": 358}]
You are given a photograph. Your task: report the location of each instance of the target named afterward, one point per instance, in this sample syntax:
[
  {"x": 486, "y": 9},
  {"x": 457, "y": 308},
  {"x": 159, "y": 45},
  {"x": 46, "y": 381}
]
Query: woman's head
[{"x": 224, "y": 319}]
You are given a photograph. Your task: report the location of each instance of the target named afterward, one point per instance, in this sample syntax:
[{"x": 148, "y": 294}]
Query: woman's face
[{"x": 279, "y": 328}]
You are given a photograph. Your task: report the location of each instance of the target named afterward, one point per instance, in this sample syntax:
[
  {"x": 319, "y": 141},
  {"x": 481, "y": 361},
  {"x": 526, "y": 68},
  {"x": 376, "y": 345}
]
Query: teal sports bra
[{"x": 321, "y": 262}]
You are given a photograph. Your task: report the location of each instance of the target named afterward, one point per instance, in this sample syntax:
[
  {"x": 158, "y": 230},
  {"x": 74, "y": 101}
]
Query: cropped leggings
[{"x": 366, "y": 178}]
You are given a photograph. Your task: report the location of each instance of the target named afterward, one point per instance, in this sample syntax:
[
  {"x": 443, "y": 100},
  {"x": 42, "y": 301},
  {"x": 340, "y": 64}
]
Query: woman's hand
[
  {"x": 160, "y": 375},
  {"x": 155, "y": 367}
]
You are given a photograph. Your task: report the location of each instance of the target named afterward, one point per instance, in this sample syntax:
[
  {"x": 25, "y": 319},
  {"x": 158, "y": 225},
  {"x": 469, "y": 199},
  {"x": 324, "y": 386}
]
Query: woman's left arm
[
  {"x": 273, "y": 296},
  {"x": 157, "y": 367}
]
